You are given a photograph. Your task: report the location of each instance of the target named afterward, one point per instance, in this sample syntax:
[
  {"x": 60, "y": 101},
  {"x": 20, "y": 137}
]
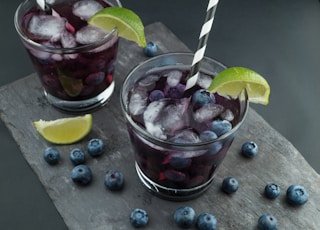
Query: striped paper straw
[
  {"x": 203, "y": 38},
  {"x": 44, "y": 6}
]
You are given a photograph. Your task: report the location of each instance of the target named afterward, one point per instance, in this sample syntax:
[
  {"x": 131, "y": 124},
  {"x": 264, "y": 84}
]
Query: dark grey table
[
  {"x": 94, "y": 207},
  {"x": 279, "y": 39}
]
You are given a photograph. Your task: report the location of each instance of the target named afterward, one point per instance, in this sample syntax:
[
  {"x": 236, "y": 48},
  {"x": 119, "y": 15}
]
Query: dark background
[{"x": 277, "y": 38}]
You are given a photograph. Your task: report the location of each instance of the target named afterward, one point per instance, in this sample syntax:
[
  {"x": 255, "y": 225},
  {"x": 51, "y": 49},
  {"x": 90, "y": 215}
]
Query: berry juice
[
  {"x": 179, "y": 142},
  {"x": 75, "y": 61}
]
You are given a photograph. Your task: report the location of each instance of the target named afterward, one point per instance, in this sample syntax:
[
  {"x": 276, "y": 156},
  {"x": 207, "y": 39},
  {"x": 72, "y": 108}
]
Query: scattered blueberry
[
  {"x": 230, "y": 185},
  {"x": 113, "y": 180},
  {"x": 184, "y": 217},
  {"x": 297, "y": 195},
  {"x": 156, "y": 95},
  {"x": 249, "y": 149},
  {"x": 81, "y": 174},
  {"x": 95, "y": 147},
  {"x": 267, "y": 222},
  {"x": 139, "y": 218},
  {"x": 77, "y": 156},
  {"x": 220, "y": 127},
  {"x": 206, "y": 221},
  {"x": 202, "y": 97},
  {"x": 208, "y": 135},
  {"x": 51, "y": 156},
  {"x": 151, "y": 49},
  {"x": 272, "y": 191}
]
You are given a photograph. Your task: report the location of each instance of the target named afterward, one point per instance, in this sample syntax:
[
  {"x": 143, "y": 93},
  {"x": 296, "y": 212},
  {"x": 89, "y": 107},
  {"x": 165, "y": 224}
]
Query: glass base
[
  {"x": 84, "y": 105},
  {"x": 171, "y": 193}
]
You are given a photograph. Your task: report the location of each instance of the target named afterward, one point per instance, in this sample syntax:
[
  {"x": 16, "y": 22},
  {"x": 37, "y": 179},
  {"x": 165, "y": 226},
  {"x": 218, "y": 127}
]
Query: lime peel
[
  {"x": 129, "y": 25},
  {"x": 231, "y": 81},
  {"x": 64, "y": 130}
]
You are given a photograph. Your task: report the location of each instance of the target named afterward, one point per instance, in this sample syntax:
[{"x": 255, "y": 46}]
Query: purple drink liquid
[
  {"x": 179, "y": 158},
  {"x": 68, "y": 70}
]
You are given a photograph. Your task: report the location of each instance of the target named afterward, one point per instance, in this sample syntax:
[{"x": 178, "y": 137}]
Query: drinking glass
[
  {"x": 168, "y": 167},
  {"x": 74, "y": 61}
]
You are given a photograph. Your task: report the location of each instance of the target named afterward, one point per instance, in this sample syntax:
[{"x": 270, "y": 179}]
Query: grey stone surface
[{"x": 94, "y": 207}]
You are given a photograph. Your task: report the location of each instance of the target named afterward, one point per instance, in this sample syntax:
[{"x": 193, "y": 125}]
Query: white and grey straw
[
  {"x": 202, "y": 45},
  {"x": 45, "y": 7}
]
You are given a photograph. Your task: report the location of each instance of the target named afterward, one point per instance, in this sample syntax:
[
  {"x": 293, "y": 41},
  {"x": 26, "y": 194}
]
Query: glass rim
[
  {"x": 60, "y": 50},
  {"x": 165, "y": 143}
]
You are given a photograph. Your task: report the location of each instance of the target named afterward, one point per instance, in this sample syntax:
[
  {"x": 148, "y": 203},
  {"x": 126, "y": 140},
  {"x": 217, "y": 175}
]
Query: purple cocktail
[
  {"x": 75, "y": 61},
  {"x": 179, "y": 142}
]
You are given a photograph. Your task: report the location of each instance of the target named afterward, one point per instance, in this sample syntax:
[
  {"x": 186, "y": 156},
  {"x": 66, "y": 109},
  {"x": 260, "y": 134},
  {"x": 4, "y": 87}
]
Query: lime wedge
[
  {"x": 64, "y": 130},
  {"x": 128, "y": 23},
  {"x": 231, "y": 81},
  {"x": 71, "y": 86}
]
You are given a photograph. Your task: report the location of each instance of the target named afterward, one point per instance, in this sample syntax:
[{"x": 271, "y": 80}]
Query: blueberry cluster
[{"x": 185, "y": 217}]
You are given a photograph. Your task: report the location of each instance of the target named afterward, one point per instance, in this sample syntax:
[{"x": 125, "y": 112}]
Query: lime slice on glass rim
[
  {"x": 128, "y": 23},
  {"x": 231, "y": 81},
  {"x": 64, "y": 130}
]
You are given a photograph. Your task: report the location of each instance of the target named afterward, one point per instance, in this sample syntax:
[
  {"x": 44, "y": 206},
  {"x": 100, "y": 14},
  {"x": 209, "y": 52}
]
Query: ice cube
[
  {"x": 207, "y": 112},
  {"x": 138, "y": 101},
  {"x": 68, "y": 40},
  {"x": 46, "y": 27},
  {"x": 153, "y": 111},
  {"x": 90, "y": 34},
  {"x": 86, "y": 8},
  {"x": 149, "y": 81},
  {"x": 173, "y": 77},
  {"x": 41, "y": 55},
  {"x": 227, "y": 115},
  {"x": 174, "y": 116},
  {"x": 151, "y": 119},
  {"x": 204, "y": 81},
  {"x": 185, "y": 136}
]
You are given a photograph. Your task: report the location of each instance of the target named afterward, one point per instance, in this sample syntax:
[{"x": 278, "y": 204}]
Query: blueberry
[
  {"x": 81, "y": 174},
  {"x": 51, "y": 156},
  {"x": 151, "y": 49},
  {"x": 206, "y": 221},
  {"x": 179, "y": 162},
  {"x": 77, "y": 156},
  {"x": 202, "y": 97},
  {"x": 267, "y": 222},
  {"x": 95, "y": 147},
  {"x": 220, "y": 127},
  {"x": 113, "y": 180},
  {"x": 208, "y": 136},
  {"x": 230, "y": 185},
  {"x": 156, "y": 95},
  {"x": 297, "y": 195},
  {"x": 175, "y": 92},
  {"x": 175, "y": 175},
  {"x": 271, "y": 191},
  {"x": 95, "y": 78},
  {"x": 249, "y": 149},
  {"x": 184, "y": 217},
  {"x": 139, "y": 218}
]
